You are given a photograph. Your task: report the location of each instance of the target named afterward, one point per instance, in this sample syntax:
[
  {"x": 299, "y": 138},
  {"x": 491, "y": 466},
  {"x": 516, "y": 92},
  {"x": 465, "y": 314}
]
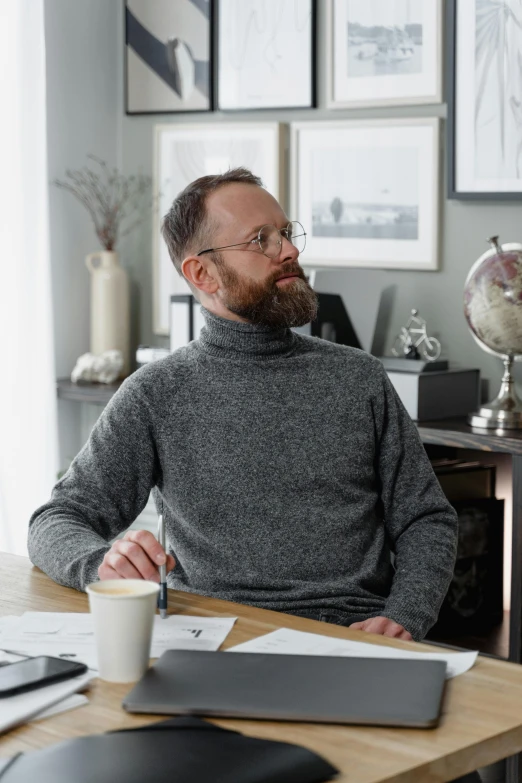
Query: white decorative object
[
  {"x": 384, "y": 52},
  {"x": 366, "y": 192},
  {"x": 104, "y": 368},
  {"x": 110, "y": 310},
  {"x": 182, "y": 153}
]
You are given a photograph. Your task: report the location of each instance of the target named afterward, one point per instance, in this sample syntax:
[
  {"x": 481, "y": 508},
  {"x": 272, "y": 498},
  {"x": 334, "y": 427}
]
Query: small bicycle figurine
[{"x": 414, "y": 335}]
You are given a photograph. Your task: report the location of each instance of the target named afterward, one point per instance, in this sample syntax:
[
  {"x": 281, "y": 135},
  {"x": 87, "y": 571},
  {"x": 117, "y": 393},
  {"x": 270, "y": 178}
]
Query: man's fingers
[
  {"x": 106, "y": 572},
  {"x": 406, "y": 636},
  {"x": 121, "y": 565},
  {"x": 171, "y": 563},
  {"x": 148, "y": 543},
  {"x": 356, "y": 626},
  {"x": 139, "y": 559}
]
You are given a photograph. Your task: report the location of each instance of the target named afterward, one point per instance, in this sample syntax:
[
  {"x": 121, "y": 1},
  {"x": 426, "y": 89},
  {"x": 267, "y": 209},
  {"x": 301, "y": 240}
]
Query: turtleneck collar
[{"x": 225, "y": 338}]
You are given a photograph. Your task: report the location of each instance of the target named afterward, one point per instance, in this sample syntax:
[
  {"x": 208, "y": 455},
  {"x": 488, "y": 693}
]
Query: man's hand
[
  {"x": 382, "y": 626},
  {"x": 135, "y": 556}
]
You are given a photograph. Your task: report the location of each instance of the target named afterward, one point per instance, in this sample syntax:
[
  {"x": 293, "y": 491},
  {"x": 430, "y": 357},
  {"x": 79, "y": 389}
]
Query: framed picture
[
  {"x": 266, "y": 54},
  {"x": 367, "y": 192},
  {"x": 484, "y": 99},
  {"x": 168, "y": 56},
  {"x": 384, "y": 52},
  {"x": 184, "y": 152}
]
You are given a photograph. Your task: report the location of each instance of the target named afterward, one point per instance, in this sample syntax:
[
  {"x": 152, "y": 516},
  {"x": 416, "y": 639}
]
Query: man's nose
[{"x": 289, "y": 252}]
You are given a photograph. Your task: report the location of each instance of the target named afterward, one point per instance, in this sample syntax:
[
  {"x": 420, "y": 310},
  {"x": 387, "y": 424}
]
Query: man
[{"x": 286, "y": 466}]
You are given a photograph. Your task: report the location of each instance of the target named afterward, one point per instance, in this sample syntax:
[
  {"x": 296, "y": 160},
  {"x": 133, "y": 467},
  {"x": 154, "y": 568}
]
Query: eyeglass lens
[{"x": 270, "y": 238}]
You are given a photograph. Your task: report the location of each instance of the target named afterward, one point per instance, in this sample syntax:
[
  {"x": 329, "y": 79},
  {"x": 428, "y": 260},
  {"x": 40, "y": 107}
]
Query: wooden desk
[{"x": 481, "y": 723}]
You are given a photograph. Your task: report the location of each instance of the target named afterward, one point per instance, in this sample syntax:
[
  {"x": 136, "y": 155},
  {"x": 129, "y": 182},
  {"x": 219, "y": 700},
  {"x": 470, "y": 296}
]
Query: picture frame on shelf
[
  {"x": 168, "y": 56},
  {"x": 484, "y": 127},
  {"x": 266, "y": 54},
  {"x": 367, "y": 192},
  {"x": 185, "y": 152},
  {"x": 382, "y": 53}
]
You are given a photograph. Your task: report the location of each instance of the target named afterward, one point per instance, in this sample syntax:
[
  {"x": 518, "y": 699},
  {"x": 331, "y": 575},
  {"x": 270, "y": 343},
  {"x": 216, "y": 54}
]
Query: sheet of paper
[
  {"x": 288, "y": 642},
  {"x": 21, "y": 708},
  {"x": 71, "y": 635},
  {"x": 69, "y": 703}
]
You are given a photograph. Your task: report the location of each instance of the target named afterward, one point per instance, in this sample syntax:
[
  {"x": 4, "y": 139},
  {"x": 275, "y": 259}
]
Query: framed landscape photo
[
  {"x": 484, "y": 99},
  {"x": 266, "y": 54},
  {"x": 367, "y": 192},
  {"x": 168, "y": 56},
  {"x": 384, "y": 52},
  {"x": 184, "y": 152}
]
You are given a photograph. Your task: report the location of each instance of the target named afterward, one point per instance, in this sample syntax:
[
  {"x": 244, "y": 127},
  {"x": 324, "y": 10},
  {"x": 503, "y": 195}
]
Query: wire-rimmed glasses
[{"x": 269, "y": 240}]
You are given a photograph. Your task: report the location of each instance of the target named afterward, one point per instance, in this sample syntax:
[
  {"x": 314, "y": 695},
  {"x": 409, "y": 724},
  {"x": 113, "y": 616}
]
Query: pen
[{"x": 162, "y": 597}]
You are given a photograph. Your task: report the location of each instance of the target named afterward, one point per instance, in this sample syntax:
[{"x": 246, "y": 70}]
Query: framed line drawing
[
  {"x": 184, "y": 152},
  {"x": 383, "y": 52},
  {"x": 168, "y": 56},
  {"x": 266, "y": 54},
  {"x": 367, "y": 192},
  {"x": 484, "y": 100}
]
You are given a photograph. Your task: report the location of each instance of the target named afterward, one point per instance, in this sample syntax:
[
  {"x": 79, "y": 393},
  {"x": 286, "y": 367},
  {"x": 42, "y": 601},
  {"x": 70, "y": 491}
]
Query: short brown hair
[{"x": 186, "y": 224}]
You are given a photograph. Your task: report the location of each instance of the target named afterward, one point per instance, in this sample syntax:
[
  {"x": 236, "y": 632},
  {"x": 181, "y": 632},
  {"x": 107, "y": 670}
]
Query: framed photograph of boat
[
  {"x": 184, "y": 152},
  {"x": 484, "y": 100},
  {"x": 367, "y": 192},
  {"x": 384, "y": 53}
]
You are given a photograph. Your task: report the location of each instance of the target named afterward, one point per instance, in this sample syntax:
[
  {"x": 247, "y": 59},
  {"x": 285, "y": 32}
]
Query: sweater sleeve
[
  {"x": 105, "y": 489},
  {"x": 420, "y": 522}
]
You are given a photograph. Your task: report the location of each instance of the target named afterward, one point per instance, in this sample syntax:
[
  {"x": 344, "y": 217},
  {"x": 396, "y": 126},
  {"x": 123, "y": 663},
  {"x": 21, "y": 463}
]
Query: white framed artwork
[
  {"x": 384, "y": 52},
  {"x": 484, "y": 99},
  {"x": 266, "y": 54},
  {"x": 367, "y": 192},
  {"x": 185, "y": 152}
]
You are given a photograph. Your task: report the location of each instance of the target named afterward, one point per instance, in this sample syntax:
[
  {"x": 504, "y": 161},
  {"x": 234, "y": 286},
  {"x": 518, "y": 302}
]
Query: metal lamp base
[{"x": 505, "y": 411}]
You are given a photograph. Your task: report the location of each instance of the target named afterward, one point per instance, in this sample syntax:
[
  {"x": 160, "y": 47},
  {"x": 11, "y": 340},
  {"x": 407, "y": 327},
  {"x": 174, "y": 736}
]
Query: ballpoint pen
[{"x": 162, "y": 597}]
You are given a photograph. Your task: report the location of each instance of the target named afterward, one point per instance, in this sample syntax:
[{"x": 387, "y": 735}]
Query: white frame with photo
[
  {"x": 266, "y": 160},
  {"x": 281, "y": 56},
  {"x": 388, "y": 90},
  {"x": 333, "y": 251}
]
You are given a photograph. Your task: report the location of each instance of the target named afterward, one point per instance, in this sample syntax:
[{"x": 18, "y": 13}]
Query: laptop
[{"x": 320, "y": 689}]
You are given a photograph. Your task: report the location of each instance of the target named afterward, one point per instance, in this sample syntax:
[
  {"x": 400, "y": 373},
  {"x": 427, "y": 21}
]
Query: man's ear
[{"x": 198, "y": 272}]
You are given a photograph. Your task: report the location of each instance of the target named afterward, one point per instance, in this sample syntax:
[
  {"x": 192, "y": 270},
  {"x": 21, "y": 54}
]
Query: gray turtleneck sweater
[{"x": 287, "y": 469}]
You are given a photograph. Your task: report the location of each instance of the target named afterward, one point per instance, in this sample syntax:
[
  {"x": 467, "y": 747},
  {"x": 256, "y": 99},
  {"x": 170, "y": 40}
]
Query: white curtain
[{"x": 28, "y": 439}]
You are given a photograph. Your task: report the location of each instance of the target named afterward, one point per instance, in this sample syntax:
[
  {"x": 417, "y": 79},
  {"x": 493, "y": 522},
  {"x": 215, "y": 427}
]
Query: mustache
[{"x": 291, "y": 270}]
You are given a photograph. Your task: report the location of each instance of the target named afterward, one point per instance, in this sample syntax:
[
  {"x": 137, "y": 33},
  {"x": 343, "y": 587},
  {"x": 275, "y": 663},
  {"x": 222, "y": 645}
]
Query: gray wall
[
  {"x": 438, "y": 295},
  {"x": 84, "y": 108}
]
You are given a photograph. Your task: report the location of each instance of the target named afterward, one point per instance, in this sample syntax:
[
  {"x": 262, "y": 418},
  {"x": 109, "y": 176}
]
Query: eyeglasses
[{"x": 269, "y": 240}]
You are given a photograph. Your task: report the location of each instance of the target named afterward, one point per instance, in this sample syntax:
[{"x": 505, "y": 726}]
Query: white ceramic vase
[{"x": 110, "y": 317}]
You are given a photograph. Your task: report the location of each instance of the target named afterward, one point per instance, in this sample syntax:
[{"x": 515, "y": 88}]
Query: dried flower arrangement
[{"x": 116, "y": 203}]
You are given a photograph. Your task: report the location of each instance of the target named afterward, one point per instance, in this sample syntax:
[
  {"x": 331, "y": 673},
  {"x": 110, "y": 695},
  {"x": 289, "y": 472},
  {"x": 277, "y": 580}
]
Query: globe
[{"x": 493, "y": 311}]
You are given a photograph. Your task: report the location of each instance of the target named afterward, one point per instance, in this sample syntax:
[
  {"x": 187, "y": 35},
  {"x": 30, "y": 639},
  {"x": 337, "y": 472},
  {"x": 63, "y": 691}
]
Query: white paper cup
[{"x": 123, "y": 614}]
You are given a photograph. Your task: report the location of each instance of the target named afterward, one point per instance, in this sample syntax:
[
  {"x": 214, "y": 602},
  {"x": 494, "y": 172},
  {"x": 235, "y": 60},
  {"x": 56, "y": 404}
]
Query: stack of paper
[
  {"x": 287, "y": 642},
  {"x": 42, "y": 702},
  {"x": 71, "y": 635}
]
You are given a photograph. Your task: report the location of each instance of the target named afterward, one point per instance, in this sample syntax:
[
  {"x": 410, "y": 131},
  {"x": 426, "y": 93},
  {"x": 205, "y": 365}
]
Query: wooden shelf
[
  {"x": 457, "y": 433},
  {"x": 98, "y": 393}
]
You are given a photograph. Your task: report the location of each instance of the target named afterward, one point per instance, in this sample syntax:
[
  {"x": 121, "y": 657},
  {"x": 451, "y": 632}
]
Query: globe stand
[{"x": 505, "y": 411}]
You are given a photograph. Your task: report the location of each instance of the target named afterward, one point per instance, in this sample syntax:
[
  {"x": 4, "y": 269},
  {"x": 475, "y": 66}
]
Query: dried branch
[{"x": 115, "y": 202}]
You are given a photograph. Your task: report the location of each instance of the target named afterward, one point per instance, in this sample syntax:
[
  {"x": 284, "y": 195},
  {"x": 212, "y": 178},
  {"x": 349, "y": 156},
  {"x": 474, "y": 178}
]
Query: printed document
[{"x": 288, "y": 642}]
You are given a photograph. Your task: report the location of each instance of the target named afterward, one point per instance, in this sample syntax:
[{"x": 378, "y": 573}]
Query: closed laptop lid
[{"x": 374, "y": 691}]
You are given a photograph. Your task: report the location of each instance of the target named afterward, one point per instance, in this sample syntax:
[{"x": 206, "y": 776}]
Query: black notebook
[{"x": 184, "y": 750}]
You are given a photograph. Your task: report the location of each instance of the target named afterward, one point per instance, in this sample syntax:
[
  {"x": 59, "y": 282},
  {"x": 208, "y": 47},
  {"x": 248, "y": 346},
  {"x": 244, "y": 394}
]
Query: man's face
[{"x": 269, "y": 291}]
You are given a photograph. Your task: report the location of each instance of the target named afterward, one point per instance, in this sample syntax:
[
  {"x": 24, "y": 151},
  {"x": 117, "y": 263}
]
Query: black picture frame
[
  {"x": 452, "y": 119},
  {"x": 152, "y": 54},
  {"x": 313, "y": 67}
]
